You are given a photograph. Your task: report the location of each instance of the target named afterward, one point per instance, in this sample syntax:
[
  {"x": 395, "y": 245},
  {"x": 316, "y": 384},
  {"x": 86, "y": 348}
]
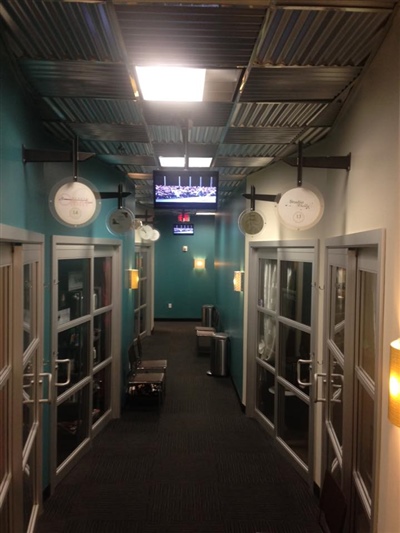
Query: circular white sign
[
  {"x": 300, "y": 208},
  {"x": 74, "y": 203},
  {"x": 120, "y": 220}
]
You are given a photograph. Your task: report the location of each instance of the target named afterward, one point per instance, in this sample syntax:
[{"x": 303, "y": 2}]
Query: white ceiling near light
[{"x": 277, "y": 73}]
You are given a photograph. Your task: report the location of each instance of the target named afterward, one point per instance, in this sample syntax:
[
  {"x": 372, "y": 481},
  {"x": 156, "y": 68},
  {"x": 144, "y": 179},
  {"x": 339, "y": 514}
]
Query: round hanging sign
[
  {"x": 120, "y": 221},
  {"x": 300, "y": 208},
  {"x": 75, "y": 203}
]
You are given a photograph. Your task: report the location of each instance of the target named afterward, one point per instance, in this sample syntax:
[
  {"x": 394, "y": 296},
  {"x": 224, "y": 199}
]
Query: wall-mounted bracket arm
[
  {"x": 52, "y": 156},
  {"x": 262, "y": 197},
  {"x": 120, "y": 195},
  {"x": 339, "y": 162}
]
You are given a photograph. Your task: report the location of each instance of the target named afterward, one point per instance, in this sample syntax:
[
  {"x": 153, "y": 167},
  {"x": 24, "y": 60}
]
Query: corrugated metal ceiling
[{"x": 278, "y": 72}]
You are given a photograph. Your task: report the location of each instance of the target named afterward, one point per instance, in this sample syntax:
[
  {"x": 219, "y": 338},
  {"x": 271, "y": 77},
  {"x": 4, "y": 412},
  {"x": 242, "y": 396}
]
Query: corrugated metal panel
[
  {"x": 59, "y": 31},
  {"x": 206, "y": 135},
  {"x": 111, "y": 132},
  {"x": 100, "y": 111},
  {"x": 136, "y": 160},
  {"x": 242, "y": 161},
  {"x": 275, "y": 115},
  {"x": 198, "y": 36},
  {"x": 261, "y": 135},
  {"x": 321, "y": 37},
  {"x": 119, "y": 147},
  {"x": 78, "y": 79},
  {"x": 247, "y": 150},
  {"x": 199, "y": 113},
  {"x": 294, "y": 84},
  {"x": 165, "y": 134}
]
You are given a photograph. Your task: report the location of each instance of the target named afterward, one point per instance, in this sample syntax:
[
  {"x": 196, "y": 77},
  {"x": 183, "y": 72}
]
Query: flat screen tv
[
  {"x": 186, "y": 189},
  {"x": 183, "y": 229}
]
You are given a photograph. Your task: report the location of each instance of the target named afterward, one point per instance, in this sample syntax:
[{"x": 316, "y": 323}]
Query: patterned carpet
[{"x": 197, "y": 465}]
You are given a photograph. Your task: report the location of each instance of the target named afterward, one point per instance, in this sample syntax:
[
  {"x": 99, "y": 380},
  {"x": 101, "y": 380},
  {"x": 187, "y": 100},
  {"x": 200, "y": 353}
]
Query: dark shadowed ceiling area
[{"x": 277, "y": 73}]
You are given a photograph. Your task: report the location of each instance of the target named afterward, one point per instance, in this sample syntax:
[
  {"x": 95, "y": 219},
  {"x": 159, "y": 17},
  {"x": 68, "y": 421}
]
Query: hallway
[{"x": 196, "y": 466}]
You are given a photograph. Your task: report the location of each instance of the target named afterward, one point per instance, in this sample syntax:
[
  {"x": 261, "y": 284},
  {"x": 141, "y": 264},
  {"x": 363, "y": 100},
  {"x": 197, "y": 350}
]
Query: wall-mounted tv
[
  {"x": 183, "y": 229},
  {"x": 186, "y": 189}
]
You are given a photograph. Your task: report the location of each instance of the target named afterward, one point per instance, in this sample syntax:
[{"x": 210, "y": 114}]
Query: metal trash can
[
  {"x": 207, "y": 315},
  {"x": 219, "y": 359}
]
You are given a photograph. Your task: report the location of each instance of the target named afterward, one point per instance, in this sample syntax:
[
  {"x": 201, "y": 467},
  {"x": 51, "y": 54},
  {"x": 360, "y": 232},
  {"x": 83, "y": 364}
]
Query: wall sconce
[
  {"x": 133, "y": 278},
  {"x": 238, "y": 281},
  {"x": 200, "y": 264},
  {"x": 394, "y": 383}
]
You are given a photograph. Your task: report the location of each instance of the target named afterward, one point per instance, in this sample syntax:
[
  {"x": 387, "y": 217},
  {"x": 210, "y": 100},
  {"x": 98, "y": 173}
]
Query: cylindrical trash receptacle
[
  {"x": 207, "y": 314},
  {"x": 219, "y": 359}
]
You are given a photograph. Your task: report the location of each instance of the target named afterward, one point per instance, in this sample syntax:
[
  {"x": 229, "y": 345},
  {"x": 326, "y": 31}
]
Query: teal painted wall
[
  {"x": 176, "y": 281},
  {"x": 24, "y": 194},
  {"x": 229, "y": 256}
]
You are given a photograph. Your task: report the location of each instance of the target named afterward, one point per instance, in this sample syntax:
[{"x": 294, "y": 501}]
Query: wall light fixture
[
  {"x": 394, "y": 383},
  {"x": 199, "y": 263},
  {"x": 133, "y": 277},
  {"x": 238, "y": 281}
]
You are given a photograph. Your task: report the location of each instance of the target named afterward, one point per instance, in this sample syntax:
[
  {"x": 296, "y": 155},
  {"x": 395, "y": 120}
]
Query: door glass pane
[
  {"x": 102, "y": 282},
  {"x": 28, "y": 408},
  {"x": 367, "y": 341},
  {"x": 102, "y": 338},
  {"x": 365, "y": 441},
  {"x": 268, "y": 284},
  {"x": 265, "y": 393},
  {"x": 296, "y": 279},
  {"x": 72, "y": 423},
  {"x": 362, "y": 522},
  {"x": 5, "y": 516},
  {"x": 335, "y": 391},
  {"x": 293, "y": 420},
  {"x": 101, "y": 393},
  {"x": 28, "y": 489},
  {"x": 333, "y": 464},
  {"x": 73, "y": 345},
  {"x": 266, "y": 338},
  {"x": 73, "y": 289},
  {"x": 4, "y": 410},
  {"x": 5, "y": 327},
  {"x": 339, "y": 295},
  {"x": 29, "y": 334},
  {"x": 294, "y": 345},
  {"x": 142, "y": 292}
]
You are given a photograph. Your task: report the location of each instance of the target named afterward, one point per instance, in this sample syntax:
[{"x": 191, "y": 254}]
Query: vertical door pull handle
[{"x": 68, "y": 378}]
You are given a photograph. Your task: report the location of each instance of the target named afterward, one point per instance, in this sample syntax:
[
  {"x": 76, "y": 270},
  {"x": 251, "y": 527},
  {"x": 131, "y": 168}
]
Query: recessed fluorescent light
[
  {"x": 171, "y": 84},
  {"x": 205, "y": 213},
  {"x": 179, "y": 162},
  {"x": 200, "y": 162},
  {"x": 176, "y": 162}
]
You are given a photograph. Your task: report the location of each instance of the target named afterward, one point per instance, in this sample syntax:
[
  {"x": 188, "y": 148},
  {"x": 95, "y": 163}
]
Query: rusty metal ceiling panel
[
  {"x": 197, "y": 36},
  {"x": 329, "y": 37},
  {"x": 60, "y": 30},
  {"x": 297, "y": 84},
  {"x": 95, "y": 110},
  {"x": 78, "y": 79},
  {"x": 276, "y": 114},
  {"x": 111, "y": 132},
  {"x": 261, "y": 135},
  {"x": 182, "y": 113}
]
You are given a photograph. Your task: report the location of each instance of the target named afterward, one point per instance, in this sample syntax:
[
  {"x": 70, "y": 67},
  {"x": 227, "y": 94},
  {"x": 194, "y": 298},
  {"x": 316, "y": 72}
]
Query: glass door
[
  {"x": 347, "y": 385},
  {"x": 143, "y": 294},
  {"x": 22, "y": 386},
  {"x": 284, "y": 351},
  {"x": 84, "y": 344}
]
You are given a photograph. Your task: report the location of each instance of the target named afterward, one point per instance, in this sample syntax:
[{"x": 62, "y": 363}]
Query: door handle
[
  {"x": 298, "y": 364},
  {"x": 68, "y": 378},
  {"x": 337, "y": 388},
  {"x": 31, "y": 383},
  {"x": 318, "y": 375}
]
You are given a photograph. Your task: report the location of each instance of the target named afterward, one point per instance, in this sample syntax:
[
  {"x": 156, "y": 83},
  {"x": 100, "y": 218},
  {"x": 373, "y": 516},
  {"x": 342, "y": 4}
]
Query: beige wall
[{"x": 365, "y": 198}]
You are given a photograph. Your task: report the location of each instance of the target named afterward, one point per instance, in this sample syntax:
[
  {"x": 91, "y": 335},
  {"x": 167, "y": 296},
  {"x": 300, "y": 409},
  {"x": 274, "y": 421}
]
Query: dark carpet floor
[{"x": 197, "y": 465}]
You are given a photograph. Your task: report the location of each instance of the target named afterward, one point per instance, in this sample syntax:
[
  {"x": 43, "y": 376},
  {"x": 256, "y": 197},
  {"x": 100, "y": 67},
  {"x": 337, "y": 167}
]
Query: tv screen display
[
  {"x": 185, "y": 189},
  {"x": 183, "y": 229}
]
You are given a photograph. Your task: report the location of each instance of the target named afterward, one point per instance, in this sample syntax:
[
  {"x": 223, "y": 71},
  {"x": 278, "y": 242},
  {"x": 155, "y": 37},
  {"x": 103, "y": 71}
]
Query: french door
[
  {"x": 348, "y": 383},
  {"x": 22, "y": 385},
  {"x": 144, "y": 294},
  {"x": 85, "y": 348},
  {"x": 282, "y": 346}
]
